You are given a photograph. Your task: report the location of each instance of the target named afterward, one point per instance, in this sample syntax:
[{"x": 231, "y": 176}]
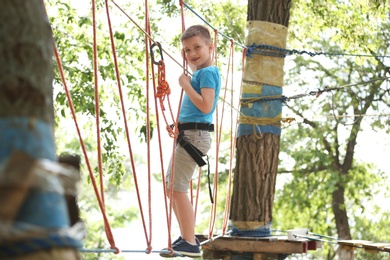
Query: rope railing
[{"x": 100, "y": 194}]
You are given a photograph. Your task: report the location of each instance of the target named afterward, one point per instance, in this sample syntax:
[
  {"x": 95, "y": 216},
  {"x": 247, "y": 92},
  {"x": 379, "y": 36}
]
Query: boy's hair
[{"x": 196, "y": 30}]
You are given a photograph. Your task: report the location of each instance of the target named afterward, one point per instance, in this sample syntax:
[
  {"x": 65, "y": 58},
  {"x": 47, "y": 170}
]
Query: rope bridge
[{"x": 161, "y": 92}]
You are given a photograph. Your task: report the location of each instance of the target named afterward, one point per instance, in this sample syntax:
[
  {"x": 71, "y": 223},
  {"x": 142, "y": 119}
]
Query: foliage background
[{"x": 305, "y": 182}]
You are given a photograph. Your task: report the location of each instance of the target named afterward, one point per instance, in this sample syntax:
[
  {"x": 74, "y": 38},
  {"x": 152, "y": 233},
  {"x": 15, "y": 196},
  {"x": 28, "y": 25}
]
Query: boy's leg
[
  {"x": 185, "y": 216},
  {"x": 175, "y": 211},
  {"x": 184, "y": 169}
]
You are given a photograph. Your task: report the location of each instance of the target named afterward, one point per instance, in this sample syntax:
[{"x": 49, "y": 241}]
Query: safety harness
[{"x": 192, "y": 150}]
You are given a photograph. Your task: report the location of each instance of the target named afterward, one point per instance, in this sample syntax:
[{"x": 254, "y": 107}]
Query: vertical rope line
[
  {"x": 167, "y": 216},
  {"x": 232, "y": 148},
  {"x": 109, "y": 234},
  {"x": 97, "y": 107},
  {"x": 147, "y": 25},
  {"x": 123, "y": 108},
  {"x": 215, "y": 56},
  {"x": 176, "y": 132},
  {"x": 128, "y": 136},
  {"x": 217, "y": 144},
  {"x": 185, "y": 69}
]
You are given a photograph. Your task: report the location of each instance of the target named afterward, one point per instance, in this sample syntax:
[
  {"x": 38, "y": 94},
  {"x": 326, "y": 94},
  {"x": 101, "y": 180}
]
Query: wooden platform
[
  {"x": 257, "y": 247},
  {"x": 364, "y": 244}
]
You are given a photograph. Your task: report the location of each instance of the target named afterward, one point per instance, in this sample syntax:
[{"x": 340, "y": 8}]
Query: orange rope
[
  {"x": 232, "y": 146},
  {"x": 109, "y": 234},
  {"x": 97, "y": 108},
  {"x": 126, "y": 127},
  {"x": 160, "y": 146},
  {"x": 163, "y": 92},
  {"x": 148, "y": 131},
  {"x": 97, "y": 112},
  {"x": 219, "y": 121},
  {"x": 215, "y": 56},
  {"x": 163, "y": 89}
]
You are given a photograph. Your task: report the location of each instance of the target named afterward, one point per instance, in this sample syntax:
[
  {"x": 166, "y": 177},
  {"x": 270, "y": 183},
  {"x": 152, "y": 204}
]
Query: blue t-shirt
[{"x": 208, "y": 77}]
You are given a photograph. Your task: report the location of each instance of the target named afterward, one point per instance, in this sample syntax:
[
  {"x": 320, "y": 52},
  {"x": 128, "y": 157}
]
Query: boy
[{"x": 195, "y": 123}]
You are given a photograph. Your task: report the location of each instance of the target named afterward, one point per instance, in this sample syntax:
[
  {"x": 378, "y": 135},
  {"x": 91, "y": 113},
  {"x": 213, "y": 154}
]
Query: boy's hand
[{"x": 185, "y": 81}]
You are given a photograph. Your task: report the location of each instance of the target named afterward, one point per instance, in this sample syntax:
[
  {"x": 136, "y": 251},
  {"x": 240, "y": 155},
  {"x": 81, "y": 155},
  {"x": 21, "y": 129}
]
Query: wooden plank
[
  {"x": 374, "y": 247},
  {"x": 351, "y": 245},
  {"x": 365, "y": 244},
  {"x": 257, "y": 245}
]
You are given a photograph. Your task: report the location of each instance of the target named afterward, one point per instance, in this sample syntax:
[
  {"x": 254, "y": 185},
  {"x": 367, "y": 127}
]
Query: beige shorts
[{"x": 184, "y": 164}]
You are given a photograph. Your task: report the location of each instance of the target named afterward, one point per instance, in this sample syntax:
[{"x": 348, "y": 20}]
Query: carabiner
[{"x": 152, "y": 53}]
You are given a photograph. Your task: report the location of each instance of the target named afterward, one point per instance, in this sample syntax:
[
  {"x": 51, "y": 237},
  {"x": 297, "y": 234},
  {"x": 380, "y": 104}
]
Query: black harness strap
[
  {"x": 197, "y": 155},
  {"x": 196, "y": 126}
]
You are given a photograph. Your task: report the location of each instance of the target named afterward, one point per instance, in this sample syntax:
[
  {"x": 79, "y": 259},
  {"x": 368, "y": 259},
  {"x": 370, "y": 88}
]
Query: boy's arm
[{"x": 203, "y": 101}]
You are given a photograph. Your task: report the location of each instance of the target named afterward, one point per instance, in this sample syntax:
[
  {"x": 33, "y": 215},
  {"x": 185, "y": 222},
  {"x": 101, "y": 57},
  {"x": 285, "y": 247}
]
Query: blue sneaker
[
  {"x": 180, "y": 238},
  {"x": 186, "y": 249},
  {"x": 177, "y": 240},
  {"x": 167, "y": 254}
]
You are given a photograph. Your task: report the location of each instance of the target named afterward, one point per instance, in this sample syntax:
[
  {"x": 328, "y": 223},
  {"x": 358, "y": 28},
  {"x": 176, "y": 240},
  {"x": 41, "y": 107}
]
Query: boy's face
[{"x": 197, "y": 52}]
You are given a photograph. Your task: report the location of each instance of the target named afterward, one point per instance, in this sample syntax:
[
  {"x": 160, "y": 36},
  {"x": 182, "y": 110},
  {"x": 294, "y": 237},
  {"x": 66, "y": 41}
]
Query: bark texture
[
  {"x": 26, "y": 60},
  {"x": 273, "y": 11},
  {"x": 255, "y": 178}
]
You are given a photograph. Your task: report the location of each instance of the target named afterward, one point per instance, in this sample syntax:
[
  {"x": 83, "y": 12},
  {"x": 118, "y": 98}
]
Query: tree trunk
[
  {"x": 254, "y": 182},
  {"x": 31, "y": 192},
  {"x": 342, "y": 225},
  {"x": 258, "y": 138}
]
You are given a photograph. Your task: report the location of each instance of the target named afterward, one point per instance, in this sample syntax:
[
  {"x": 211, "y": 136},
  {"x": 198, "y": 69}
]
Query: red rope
[
  {"x": 163, "y": 92},
  {"x": 127, "y": 129},
  {"x": 97, "y": 107},
  {"x": 163, "y": 89},
  {"x": 97, "y": 112},
  {"x": 109, "y": 235},
  {"x": 148, "y": 131},
  {"x": 219, "y": 123},
  {"x": 159, "y": 135},
  {"x": 215, "y": 56},
  {"x": 232, "y": 145},
  {"x": 168, "y": 217}
]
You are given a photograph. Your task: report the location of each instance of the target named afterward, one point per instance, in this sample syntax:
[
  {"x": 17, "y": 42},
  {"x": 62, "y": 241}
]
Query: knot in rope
[
  {"x": 163, "y": 88},
  {"x": 170, "y": 130},
  {"x": 149, "y": 249},
  {"x": 249, "y": 50},
  {"x": 117, "y": 250}
]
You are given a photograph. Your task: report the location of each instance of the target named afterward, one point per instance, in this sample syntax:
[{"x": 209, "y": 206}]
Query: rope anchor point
[{"x": 152, "y": 53}]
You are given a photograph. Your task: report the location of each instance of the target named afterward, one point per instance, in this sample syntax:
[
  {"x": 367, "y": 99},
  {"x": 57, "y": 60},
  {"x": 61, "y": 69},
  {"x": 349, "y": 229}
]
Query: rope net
[
  {"x": 160, "y": 101},
  {"x": 160, "y": 88}
]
